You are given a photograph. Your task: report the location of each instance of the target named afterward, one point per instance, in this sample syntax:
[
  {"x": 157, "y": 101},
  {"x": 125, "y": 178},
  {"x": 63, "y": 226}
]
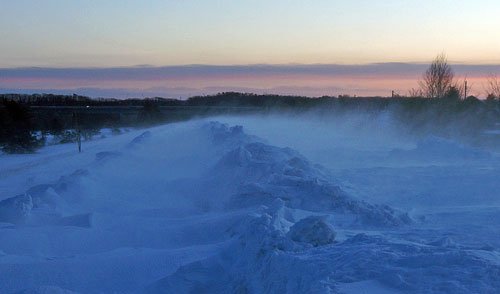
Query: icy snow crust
[{"x": 207, "y": 208}]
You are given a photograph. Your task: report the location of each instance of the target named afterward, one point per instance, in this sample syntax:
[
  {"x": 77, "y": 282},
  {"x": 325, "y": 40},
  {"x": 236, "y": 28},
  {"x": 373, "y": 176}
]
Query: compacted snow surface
[{"x": 252, "y": 205}]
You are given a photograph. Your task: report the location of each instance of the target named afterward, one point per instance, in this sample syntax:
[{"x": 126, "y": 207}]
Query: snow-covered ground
[{"x": 254, "y": 204}]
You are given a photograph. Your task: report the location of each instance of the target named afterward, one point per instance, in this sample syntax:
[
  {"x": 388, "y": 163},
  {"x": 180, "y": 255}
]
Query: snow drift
[{"x": 208, "y": 207}]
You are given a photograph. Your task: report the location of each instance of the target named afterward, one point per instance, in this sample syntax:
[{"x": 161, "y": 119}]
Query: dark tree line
[
  {"x": 16, "y": 129},
  {"x": 77, "y": 100},
  {"x": 26, "y": 120}
]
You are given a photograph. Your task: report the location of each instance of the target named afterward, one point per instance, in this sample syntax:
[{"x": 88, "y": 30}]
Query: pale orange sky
[{"x": 111, "y": 33}]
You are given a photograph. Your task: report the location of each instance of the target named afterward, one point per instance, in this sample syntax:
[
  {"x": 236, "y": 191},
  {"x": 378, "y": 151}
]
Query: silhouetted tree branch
[
  {"x": 438, "y": 78},
  {"x": 493, "y": 87}
]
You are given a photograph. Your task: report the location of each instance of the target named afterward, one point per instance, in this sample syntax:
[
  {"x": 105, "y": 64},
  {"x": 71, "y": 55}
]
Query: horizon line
[{"x": 291, "y": 64}]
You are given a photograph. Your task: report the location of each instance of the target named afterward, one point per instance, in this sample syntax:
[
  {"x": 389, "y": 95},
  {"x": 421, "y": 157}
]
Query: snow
[
  {"x": 435, "y": 148},
  {"x": 313, "y": 230},
  {"x": 253, "y": 204},
  {"x": 16, "y": 209}
]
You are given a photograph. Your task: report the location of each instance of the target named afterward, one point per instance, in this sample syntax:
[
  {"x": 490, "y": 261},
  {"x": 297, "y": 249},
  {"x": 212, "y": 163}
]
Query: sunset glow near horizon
[{"x": 110, "y": 34}]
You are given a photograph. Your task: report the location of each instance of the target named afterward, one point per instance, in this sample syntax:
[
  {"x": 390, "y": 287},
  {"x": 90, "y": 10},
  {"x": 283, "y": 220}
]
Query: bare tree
[
  {"x": 416, "y": 93},
  {"x": 493, "y": 87},
  {"x": 438, "y": 78}
]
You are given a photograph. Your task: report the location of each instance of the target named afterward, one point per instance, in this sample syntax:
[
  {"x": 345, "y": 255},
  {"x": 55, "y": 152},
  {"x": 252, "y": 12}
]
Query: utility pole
[{"x": 78, "y": 133}]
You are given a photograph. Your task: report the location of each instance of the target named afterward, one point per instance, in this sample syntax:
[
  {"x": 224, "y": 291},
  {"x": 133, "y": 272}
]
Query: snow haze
[{"x": 254, "y": 204}]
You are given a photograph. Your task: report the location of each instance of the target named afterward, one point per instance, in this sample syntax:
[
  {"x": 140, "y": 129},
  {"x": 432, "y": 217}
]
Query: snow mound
[
  {"x": 47, "y": 204},
  {"x": 256, "y": 173},
  {"x": 16, "y": 209},
  {"x": 314, "y": 230},
  {"x": 262, "y": 259},
  {"x": 45, "y": 197},
  {"x": 230, "y": 137},
  {"x": 141, "y": 139},
  {"x": 55, "y": 196},
  {"x": 247, "y": 265}
]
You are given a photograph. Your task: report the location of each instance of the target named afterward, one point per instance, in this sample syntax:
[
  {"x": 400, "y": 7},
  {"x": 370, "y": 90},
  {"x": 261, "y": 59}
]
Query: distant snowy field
[{"x": 252, "y": 205}]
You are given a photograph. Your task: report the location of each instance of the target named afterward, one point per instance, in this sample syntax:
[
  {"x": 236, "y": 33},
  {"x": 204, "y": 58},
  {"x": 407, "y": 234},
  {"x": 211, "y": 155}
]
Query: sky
[{"x": 89, "y": 34}]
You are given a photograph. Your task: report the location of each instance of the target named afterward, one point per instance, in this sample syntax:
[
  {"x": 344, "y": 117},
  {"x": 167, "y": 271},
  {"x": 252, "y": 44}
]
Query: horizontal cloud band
[{"x": 187, "y": 80}]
